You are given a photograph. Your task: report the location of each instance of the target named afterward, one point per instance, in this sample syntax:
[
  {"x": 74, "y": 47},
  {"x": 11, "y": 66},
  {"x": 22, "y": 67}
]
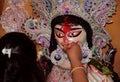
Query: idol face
[{"x": 67, "y": 33}]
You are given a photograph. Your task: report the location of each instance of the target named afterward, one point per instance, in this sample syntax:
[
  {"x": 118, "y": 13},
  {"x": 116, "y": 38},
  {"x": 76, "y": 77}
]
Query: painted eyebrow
[
  {"x": 71, "y": 29},
  {"x": 75, "y": 28},
  {"x": 59, "y": 29}
]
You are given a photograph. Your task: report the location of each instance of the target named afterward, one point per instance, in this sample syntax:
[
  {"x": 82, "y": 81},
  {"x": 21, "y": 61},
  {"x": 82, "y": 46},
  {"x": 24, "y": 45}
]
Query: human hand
[{"x": 73, "y": 51}]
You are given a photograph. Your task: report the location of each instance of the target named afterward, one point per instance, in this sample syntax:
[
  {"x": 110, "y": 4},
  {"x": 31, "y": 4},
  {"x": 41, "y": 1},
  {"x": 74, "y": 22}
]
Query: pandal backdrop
[{"x": 38, "y": 26}]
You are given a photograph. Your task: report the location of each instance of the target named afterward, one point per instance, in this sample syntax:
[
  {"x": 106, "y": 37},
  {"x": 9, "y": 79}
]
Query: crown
[
  {"x": 95, "y": 12},
  {"x": 38, "y": 27}
]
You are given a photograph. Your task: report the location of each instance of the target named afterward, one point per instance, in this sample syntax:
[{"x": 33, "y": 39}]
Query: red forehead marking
[{"x": 66, "y": 27}]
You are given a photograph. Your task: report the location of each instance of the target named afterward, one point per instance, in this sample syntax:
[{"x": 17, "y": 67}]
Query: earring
[
  {"x": 86, "y": 53},
  {"x": 59, "y": 57}
]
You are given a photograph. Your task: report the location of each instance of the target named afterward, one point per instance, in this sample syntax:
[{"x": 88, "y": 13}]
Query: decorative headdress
[
  {"x": 13, "y": 16},
  {"x": 95, "y": 12}
]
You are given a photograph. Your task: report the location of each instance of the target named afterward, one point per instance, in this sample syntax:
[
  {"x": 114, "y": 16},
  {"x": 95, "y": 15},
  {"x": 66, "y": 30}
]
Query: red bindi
[{"x": 66, "y": 28}]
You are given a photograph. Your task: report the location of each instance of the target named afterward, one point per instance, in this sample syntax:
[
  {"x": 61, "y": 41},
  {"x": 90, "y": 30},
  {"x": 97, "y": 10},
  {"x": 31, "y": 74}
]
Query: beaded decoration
[
  {"x": 95, "y": 12},
  {"x": 14, "y": 3},
  {"x": 12, "y": 18}
]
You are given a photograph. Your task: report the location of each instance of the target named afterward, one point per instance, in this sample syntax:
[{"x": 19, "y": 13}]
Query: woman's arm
[
  {"x": 78, "y": 73},
  {"x": 74, "y": 53}
]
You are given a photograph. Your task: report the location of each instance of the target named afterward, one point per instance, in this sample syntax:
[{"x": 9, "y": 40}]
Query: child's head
[
  {"x": 17, "y": 58},
  {"x": 19, "y": 44},
  {"x": 70, "y": 28}
]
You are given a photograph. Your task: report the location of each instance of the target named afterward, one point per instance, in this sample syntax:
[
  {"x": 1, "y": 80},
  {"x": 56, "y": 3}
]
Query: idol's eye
[
  {"x": 59, "y": 34},
  {"x": 74, "y": 33}
]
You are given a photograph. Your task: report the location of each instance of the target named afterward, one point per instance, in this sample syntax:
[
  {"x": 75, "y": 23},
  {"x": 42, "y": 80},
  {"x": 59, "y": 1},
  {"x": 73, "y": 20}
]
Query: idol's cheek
[
  {"x": 79, "y": 43},
  {"x": 60, "y": 43}
]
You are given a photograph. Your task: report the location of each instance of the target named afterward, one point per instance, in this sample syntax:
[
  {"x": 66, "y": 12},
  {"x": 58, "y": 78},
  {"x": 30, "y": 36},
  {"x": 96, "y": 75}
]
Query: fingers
[{"x": 68, "y": 45}]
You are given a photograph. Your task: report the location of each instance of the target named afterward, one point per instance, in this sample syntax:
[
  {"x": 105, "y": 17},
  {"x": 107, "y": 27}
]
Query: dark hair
[
  {"x": 72, "y": 20},
  {"x": 22, "y": 65}
]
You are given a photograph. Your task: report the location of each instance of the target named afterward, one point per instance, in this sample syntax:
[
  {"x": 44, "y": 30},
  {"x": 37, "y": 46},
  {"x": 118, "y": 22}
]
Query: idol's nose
[{"x": 65, "y": 39}]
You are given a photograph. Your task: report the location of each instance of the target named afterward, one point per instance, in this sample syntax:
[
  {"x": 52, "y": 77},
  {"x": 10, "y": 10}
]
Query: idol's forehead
[{"x": 72, "y": 26}]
